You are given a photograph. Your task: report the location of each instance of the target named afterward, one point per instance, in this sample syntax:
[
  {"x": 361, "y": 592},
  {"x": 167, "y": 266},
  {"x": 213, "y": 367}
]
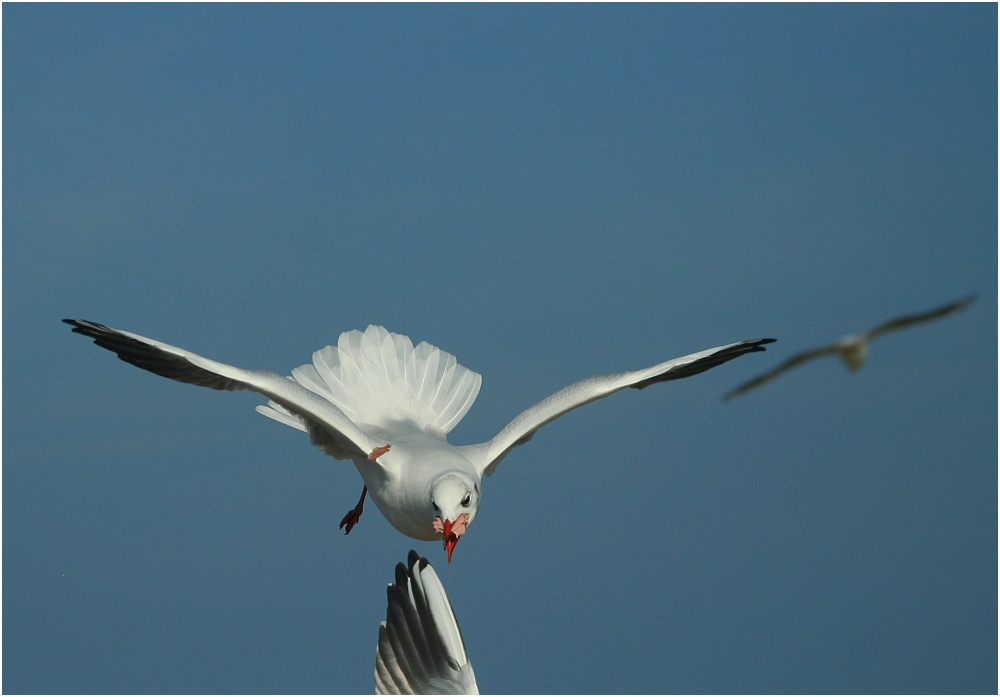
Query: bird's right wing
[
  {"x": 486, "y": 456},
  {"x": 420, "y": 647},
  {"x": 797, "y": 359},
  {"x": 907, "y": 320},
  {"x": 329, "y": 426}
]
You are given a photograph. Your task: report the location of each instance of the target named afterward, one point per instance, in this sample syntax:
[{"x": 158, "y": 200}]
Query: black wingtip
[
  {"x": 91, "y": 329},
  {"x": 961, "y": 303},
  {"x": 402, "y": 574},
  {"x": 752, "y": 346},
  {"x": 710, "y": 361},
  {"x": 729, "y": 395},
  {"x": 758, "y": 344}
]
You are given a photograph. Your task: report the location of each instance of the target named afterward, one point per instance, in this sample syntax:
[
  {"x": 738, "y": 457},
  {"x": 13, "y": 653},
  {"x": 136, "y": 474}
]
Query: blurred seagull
[
  {"x": 388, "y": 406},
  {"x": 420, "y": 647},
  {"x": 852, "y": 349}
]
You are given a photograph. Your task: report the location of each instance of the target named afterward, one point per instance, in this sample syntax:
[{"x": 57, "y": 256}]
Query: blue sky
[{"x": 547, "y": 192}]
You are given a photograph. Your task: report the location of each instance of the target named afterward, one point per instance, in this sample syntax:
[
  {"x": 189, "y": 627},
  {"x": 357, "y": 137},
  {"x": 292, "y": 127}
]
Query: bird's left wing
[
  {"x": 184, "y": 366},
  {"x": 797, "y": 359},
  {"x": 486, "y": 456},
  {"x": 929, "y": 315},
  {"x": 420, "y": 647}
]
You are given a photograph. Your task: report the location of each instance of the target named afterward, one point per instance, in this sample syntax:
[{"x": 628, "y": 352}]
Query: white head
[{"x": 455, "y": 498}]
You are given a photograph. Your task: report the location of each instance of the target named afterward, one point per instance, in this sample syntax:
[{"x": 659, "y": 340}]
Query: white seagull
[
  {"x": 420, "y": 647},
  {"x": 388, "y": 406},
  {"x": 853, "y": 348}
]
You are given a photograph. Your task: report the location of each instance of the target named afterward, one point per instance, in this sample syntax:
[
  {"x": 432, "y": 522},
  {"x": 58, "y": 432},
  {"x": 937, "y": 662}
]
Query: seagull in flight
[
  {"x": 388, "y": 406},
  {"x": 420, "y": 647},
  {"x": 852, "y": 349}
]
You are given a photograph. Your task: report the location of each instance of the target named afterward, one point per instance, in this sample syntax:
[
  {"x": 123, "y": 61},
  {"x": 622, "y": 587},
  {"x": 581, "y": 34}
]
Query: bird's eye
[
  {"x": 467, "y": 500},
  {"x": 435, "y": 506}
]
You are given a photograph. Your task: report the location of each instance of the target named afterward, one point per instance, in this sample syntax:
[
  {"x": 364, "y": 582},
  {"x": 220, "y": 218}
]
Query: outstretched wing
[
  {"x": 930, "y": 315},
  {"x": 797, "y": 359},
  {"x": 420, "y": 647},
  {"x": 488, "y": 455},
  {"x": 330, "y": 428}
]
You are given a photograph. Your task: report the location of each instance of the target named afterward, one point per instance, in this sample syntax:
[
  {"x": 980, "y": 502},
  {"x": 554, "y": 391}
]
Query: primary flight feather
[
  {"x": 388, "y": 406},
  {"x": 420, "y": 647}
]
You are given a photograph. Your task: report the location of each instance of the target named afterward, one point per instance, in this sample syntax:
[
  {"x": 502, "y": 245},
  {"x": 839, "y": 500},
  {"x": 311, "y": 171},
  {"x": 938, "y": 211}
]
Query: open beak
[
  {"x": 451, "y": 531},
  {"x": 450, "y": 539}
]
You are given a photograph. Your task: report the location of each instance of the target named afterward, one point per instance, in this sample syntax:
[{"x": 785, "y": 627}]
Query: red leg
[{"x": 354, "y": 515}]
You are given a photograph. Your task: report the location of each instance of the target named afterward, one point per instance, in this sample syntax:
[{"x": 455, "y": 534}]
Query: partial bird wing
[
  {"x": 797, "y": 359},
  {"x": 488, "y": 455},
  {"x": 930, "y": 315},
  {"x": 420, "y": 647},
  {"x": 330, "y": 428}
]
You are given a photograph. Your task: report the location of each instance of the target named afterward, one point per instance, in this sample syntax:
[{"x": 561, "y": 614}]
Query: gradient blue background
[{"x": 548, "y": 192}]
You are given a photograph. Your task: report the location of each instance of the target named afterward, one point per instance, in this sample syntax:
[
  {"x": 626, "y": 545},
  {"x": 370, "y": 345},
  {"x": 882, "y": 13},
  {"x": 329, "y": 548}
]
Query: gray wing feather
[{"x": 420, "y": 646}]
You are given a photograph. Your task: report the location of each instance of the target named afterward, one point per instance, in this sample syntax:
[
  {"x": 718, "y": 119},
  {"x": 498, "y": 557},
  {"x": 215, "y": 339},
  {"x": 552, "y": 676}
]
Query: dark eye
[
  {"x": 435, "y": 506},
  {"x": 467, "y": 500}
]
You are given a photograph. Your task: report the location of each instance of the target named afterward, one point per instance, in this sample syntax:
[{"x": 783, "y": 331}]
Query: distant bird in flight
[
  {"x": 852, "y": 349},
  {"x": 420, "y": 647},
  {"x": 387, "y": 406}
]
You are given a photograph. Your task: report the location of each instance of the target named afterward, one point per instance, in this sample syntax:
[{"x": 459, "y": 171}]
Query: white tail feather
[{"x": 376, "y": 377}]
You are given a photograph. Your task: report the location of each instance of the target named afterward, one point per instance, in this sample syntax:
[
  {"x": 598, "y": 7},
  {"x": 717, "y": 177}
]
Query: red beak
[
  {"x": 451, "y": 531},
  {"x": 450, "y": 539}
]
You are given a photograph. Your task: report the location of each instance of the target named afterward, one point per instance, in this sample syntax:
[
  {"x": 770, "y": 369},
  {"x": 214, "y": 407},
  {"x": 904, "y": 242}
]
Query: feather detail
[
  {"x": 277, "y": 412},
  {"x": 376, "y": 378},
  {"x": 420, "y": 646}
]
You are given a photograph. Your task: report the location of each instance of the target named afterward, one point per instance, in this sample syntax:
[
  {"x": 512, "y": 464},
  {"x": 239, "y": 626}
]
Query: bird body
[
  {"x": 853, "y": 350},
  {"x": 402, "y": 480},
  {"x": 388, "y": 406}
]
